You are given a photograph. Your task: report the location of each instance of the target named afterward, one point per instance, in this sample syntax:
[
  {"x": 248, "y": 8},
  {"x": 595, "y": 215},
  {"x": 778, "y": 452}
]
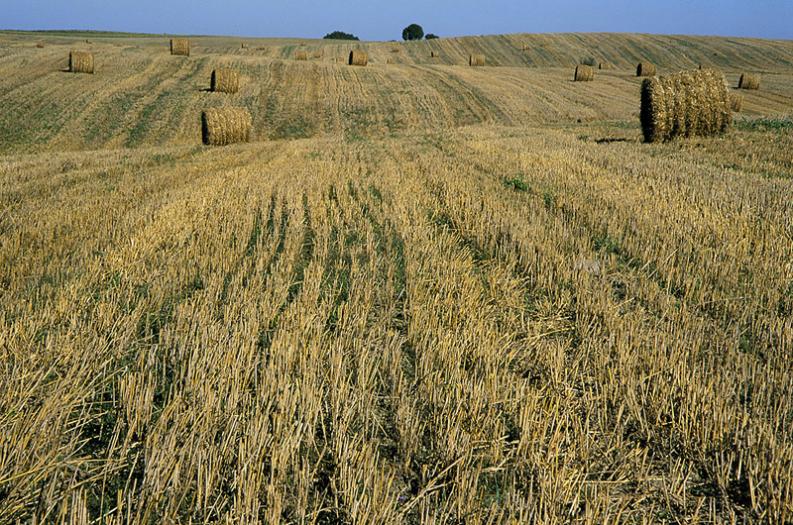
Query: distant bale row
[
  {"x": 646, "y": 69},
  {"x": 223, "y": 126},
  {"x": 180, "y": 47},
  {"x": 358, "y": 58},
  {"x": 476, "y": 60},
  {"x": 225, "y": 81},
  {"x": 748, "y": 81},
  {"x": 81, "y": 62},
  {"x": 584, "y": 73},
  {"x": 690, "y": 103}
]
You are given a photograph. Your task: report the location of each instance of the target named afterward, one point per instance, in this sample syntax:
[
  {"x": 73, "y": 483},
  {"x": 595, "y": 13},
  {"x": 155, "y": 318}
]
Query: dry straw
[
  {"x": 358, "y": 58},
  {"x": 646, "y": 69},
  {"x": 180, "y": 46},
  {"x": 225, "y": 81},
  {"x": 81, "y": 62},
  {"x": 584, "y": 73},
  {"x": 476, "y": 60},
  {"x": 222, "y": 126},
  {"x": 736, "y": 102},
  {"x": 301, "y": 55},
  {"x": 689, "y": 103},
  {"x": 748, "y": 81}
]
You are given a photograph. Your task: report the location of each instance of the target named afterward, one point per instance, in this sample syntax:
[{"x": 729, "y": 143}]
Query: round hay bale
[
  {"x": 689, "y": 103},
  {"x": 40, "y": 45},
  {"x": 225, "y": 80},
  {"x": 584, "y": 73},
  {"x": 736, "y": 102},
  {"x": 81, "y": 62},
  {"x": 358, "y": 58},
  {"x": 318, "y": 54},
  {"x": 476, "y": 60},
  {"x": 646, "y": 69},
  {"x": 434, "y": 54},
  {"x": 180, "y": 47},
  {"x": 301, "y": 55},
  {"x": 749, "y": 81},
  {"x": 222, "y": 126}
]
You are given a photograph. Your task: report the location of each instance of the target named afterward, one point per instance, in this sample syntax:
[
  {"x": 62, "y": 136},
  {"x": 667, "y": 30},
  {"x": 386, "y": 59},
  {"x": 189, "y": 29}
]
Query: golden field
[{"x": 424, "y": 293}]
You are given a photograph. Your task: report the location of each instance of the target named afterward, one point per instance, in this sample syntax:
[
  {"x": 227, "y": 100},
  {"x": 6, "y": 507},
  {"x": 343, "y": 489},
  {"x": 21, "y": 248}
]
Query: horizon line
[{"x": 198, "y": 35}]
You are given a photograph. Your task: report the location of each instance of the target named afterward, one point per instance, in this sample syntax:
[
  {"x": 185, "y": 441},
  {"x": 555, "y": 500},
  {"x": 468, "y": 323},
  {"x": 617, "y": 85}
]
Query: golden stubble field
[{"x": 424, "y": 294}]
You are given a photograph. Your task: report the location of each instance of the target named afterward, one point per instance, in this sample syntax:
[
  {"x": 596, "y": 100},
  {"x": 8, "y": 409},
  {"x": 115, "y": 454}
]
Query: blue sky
[{"x": 379, "y": 20}]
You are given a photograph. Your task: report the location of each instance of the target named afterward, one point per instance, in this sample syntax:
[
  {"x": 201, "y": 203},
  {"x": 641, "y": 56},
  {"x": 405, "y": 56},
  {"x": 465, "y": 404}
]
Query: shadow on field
[{"x": 610, "y": 140}]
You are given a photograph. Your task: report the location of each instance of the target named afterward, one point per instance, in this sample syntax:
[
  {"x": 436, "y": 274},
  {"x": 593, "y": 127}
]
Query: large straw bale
[
  {"x": 225, "y": 80},
  {"x": 222, "y": 126},
  {"x": 476, "y": 60},
  {"x": 584, "y": 73},
  {"x": 358, "y": 58},
  {"x": 81, "y": 62},
  {"x": 689, "y": 103},
  {"x": 749, "y": 81},
  {"x": 180, "y": 47},
  {"x": 646, "y": 69}
]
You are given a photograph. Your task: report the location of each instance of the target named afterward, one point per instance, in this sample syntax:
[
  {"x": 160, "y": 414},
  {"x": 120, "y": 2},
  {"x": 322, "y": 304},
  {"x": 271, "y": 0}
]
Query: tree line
[{"x": 411, "y": 32}]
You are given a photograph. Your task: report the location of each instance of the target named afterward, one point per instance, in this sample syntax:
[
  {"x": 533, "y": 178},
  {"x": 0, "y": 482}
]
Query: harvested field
[{"x": 423, "y": 293}]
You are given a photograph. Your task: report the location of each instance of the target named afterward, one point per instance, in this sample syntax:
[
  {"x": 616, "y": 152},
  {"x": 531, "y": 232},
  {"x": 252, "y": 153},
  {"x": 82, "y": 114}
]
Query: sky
[{"x": 379, "y": 20}]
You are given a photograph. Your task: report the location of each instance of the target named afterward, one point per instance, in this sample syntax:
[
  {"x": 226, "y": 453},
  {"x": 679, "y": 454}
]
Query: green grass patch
[
  {"x": 517, "y": 183},
  {"x": 779, "y": 124}
]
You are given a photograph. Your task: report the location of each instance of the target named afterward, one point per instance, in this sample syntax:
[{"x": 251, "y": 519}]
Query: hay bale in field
[
  {"x": 689, "y": 103},
  {"x": 40, "y": 45},
  {"x": 476, "y": 60},
  {"x": 605, "y": 65},
  {"x": 358, "y": 58},
  {"x": 81, "y": 62},
  {"x": 243, "y": 45},
  {"x": 584, "y": 73},
  {"x": 736, "y": 102},
  {"x": 222, "y": 126},
  {"x": 434, "y": 54},
  {"x": 225, "y": 80},
  {"x": 749, "y": 81},
  {"x": 180, "y": 47},
  {"x": 646, "y": 69},
  {"x": 318, "y": 54},
  {"x": 301, "y": 55}
]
